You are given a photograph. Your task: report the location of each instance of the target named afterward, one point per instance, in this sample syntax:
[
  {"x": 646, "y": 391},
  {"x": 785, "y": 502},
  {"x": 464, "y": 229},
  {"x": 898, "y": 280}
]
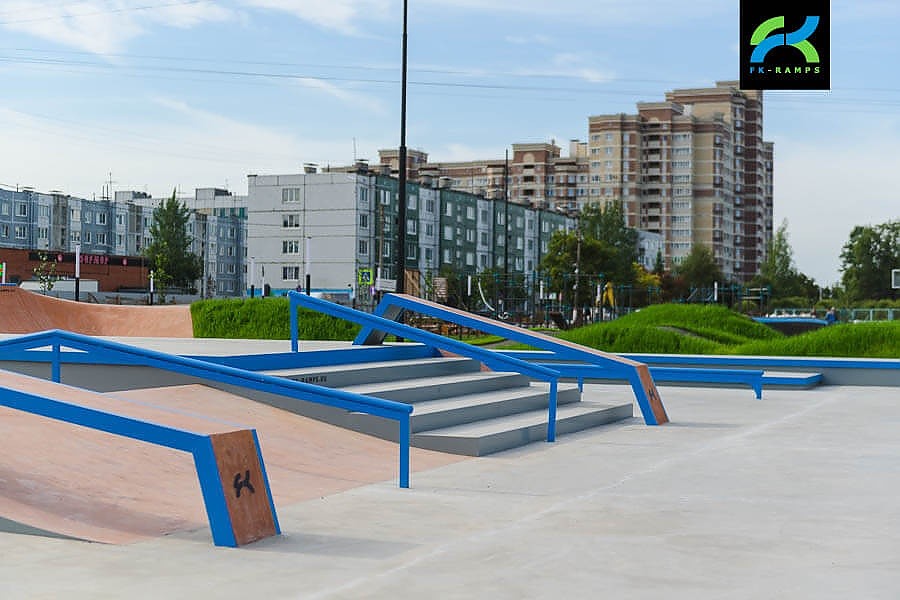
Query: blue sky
[{"x": 186, "y": 93}]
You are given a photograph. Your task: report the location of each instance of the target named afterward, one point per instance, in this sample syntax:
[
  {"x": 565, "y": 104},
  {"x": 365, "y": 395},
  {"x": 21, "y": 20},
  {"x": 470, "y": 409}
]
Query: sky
[{"x": 154, "y": 95}]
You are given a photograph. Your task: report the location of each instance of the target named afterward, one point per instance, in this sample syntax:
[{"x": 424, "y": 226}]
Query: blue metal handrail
[
  {"x": 196, "y": 444},
  {"x": 491, "y": 359},
  {"x": 645, "y": 392},
  {"x": 57, "y": 339}
]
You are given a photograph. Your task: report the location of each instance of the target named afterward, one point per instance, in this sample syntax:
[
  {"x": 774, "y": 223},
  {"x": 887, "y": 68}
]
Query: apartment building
[
  {"x": 539, "y": 175},
  {"x": 112, "y": 233},
  {"x": 691, "y": 169},
  {"x": 339, "y": 227}
]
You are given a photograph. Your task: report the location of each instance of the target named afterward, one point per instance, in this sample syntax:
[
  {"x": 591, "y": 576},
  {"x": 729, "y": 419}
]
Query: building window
[
  {"x": 101, "y": 239},
  {"x": 470, "y": 213},
  {"x": 484, "y": 238},
  {"x": 44, "y": 233},
  {"x": 363, "y": 247},
  {"x": 290, "y": 195},
  {"x": 101, "y": 218},
  {"x": 363, "y": 196},
  {"x": 290, "y": 247},
  {"x": 411, "y": 226},
  {"x": 4, "y": 231},
  {"x": 412, "y": 202},
  {"x": 363, "y": 221},
  {"x": 21, "y": 209},
  {"x": 4, "y": 208},
  {"x": 20, "y": 232},
  {"x": 231, "y": 232},
  {"x": 447, "y": 256},
  {"x": 120, "y": 239},
  {"x": 87, "y": 237},
  {"x": 470, "y": 235},
  {"x": 44, "y": 211},
  {"x": 290, "y": 221},
  {"x": 429, "y": 230},
  {"x": 470, "y": 259},
  {"x": 448, "y": 233},
  {"x": 448, "y": 210},
  {"x": 429, "y": 205},
  {"x": 290, "y": 272},
  {"x": 411, "y": 251},
  {"x": 500, "y": 219},
  {"x": 386, "y": 249},
  {"x": 429, "y": 256}
]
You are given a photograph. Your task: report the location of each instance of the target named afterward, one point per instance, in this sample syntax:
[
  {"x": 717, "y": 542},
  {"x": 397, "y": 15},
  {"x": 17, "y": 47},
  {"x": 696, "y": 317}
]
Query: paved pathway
[{"x": 794, "y": 496}]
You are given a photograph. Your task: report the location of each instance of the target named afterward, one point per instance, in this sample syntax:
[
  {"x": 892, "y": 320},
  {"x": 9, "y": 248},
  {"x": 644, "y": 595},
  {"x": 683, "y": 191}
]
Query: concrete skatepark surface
[
  {"x": 792, "y": 496},
  {"x": 22, "y": 311}
]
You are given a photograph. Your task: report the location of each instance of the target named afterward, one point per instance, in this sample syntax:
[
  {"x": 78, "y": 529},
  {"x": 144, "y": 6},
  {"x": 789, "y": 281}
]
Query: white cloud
[
  {"x": 355, "y": 99},
  {"x": 103, "y": 26},
  {"x": 339, "y": 15},
  {"x": 528, "y": 40},
  {"x": 602, "y": 12},
  {"x": 185, "y": 147}
]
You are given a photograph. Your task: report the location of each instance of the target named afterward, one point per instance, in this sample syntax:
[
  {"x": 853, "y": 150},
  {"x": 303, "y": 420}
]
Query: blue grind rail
[
  {"x": 609, "y": 365},
  {"x": 491, "y": 359},
  {"x": 198, "y": 445},
  {"x": 108, "y": 352}
]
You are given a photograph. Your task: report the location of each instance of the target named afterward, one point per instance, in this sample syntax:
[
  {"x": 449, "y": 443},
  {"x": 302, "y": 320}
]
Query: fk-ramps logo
[{"x": 785, "y": 46}]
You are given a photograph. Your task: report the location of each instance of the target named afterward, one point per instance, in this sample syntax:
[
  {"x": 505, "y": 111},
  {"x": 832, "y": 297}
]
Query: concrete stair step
[
  {"x": 432, "y": 388},
  {"x": 494, "y": 435},
  {"x": 344, "y": 375},
  {"x": 458, "y": 410}
]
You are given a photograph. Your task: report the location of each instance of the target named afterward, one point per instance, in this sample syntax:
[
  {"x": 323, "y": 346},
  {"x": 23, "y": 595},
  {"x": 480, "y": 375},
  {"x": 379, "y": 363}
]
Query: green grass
[
  {"x": 854, "y": 340},
  {"x": 264, "y": 318},
  {"x": 661, "y": 329},
  {"x": 692, "y": 329}
]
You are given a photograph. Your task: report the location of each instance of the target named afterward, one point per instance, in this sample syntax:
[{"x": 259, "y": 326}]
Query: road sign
[
  {"x": 386, "y": 285},
  {"x": 365, "y": 276}
]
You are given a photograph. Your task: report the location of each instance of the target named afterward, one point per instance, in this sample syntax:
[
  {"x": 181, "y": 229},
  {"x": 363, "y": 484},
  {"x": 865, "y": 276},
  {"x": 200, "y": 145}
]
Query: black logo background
[{"x": 753, "y": 13}]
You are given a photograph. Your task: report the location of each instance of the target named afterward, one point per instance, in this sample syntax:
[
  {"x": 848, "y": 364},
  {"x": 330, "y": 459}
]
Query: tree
[
  {"x": 45, "y": 272},
  {"x": 699, "y": 268},
  {"x": 559, "y": 264},
  {"x": 607, "y": 224},
  {"x": 169, "y": 252},
  {"x": 779, "y": 272},
  {"x": 867, "y": 259}
]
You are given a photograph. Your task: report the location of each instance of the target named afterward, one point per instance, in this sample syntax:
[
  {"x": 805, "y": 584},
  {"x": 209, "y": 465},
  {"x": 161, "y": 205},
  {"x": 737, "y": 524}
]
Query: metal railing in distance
[
  {"x": 102, "y": 350},
  {"x": 491, "y": 359},
  {"x": 636, "y": 373}
]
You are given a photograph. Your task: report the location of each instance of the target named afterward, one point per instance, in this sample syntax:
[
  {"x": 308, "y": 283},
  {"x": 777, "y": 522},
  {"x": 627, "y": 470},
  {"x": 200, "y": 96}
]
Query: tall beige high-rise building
[{"x": 693, "y": 169}]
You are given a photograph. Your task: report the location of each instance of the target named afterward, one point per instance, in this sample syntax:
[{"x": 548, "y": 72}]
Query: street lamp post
[
  {"x": 400, "y": 259},
  {"x": 77, "y": 272}
]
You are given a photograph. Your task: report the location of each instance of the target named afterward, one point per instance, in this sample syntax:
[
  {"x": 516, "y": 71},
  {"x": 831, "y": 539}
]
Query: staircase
[{"x": 458, "y": 407}]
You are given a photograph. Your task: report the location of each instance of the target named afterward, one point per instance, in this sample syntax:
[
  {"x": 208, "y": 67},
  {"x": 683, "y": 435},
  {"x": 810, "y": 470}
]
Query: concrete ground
[{"x": 793, "y": 496}]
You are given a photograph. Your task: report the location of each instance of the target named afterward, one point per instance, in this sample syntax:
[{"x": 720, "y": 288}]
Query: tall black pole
[
  {"x": 401, "y": 198},
  {"x": 506, "y": 232}
]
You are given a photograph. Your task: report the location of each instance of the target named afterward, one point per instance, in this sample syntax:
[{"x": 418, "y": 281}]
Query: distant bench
[{"x": 229, "y": 464}]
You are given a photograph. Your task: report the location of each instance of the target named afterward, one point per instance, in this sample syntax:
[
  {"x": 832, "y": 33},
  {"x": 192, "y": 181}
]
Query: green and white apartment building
[{"x": 341, "y": 229}]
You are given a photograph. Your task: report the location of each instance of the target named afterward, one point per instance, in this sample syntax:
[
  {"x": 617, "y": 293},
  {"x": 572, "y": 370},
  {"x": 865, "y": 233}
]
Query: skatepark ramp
[
  {"x": 227, "y": 459},
  {"x": 22, "y": 311},
  {"x": 60, "y": 347}
]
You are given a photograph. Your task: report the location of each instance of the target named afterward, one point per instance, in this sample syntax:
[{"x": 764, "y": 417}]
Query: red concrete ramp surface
[
  {"x": 70, "y": 481},
  {"x": 22, "y": 311}
]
